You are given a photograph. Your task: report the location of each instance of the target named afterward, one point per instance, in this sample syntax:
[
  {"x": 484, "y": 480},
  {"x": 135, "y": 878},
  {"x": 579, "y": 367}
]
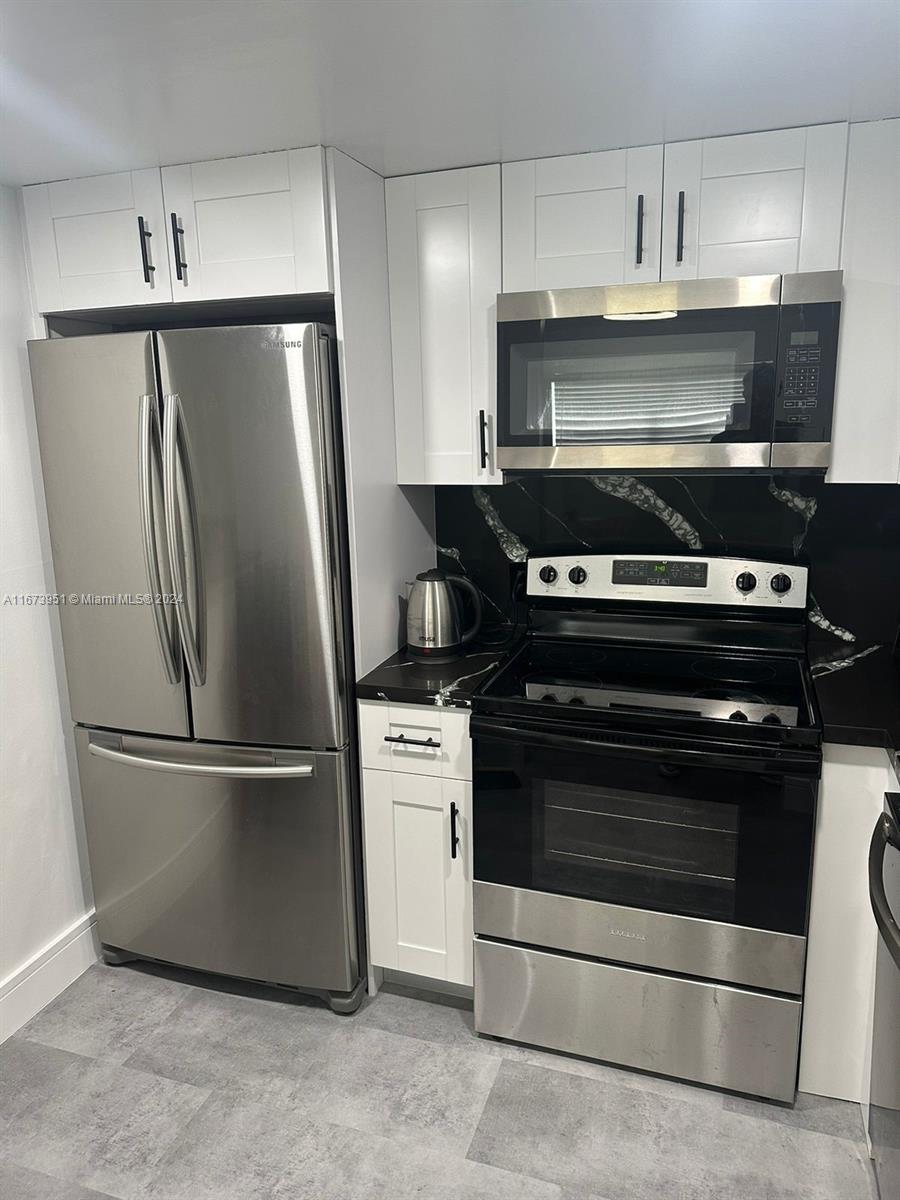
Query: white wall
[
  {"x": 391, "y": 528},
  {"x": 46, "y": 935},
  {"x": 840, "y": 960}
]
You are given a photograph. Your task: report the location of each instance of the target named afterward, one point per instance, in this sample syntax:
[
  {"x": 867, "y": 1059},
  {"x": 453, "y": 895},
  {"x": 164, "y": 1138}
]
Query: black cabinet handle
[
  {"x": 405, "y": 741},
  {"x": 482, "y": 437},
  {"x": 180, "y": 262},
  {"x": 145, "y": 233},
  {"x": 639, "y": 256},
  {"x": 679, "y": 249},
  {"x": 454, "y": 836}
]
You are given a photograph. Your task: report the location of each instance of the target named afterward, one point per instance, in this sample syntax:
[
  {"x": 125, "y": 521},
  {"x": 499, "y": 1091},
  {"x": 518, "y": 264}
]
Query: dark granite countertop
[
  {"x": 400, "y": 679},
  {"x": 858, "y": 691}
]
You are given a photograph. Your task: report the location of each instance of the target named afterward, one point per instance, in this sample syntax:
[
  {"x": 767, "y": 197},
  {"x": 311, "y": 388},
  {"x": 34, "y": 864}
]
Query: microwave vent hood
[{"x": 705, "y": 375}]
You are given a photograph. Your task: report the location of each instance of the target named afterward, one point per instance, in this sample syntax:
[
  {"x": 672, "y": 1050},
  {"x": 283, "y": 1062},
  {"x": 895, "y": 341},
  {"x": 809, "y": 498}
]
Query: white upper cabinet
[
  {"x": 252, "y": 226},
  {"x": 443, "y": 235},
  {"x": 98, "y": 242},
  {"x": 866, "y": 434},
  {"x": 755, "y": 204},
  {"x": 582, "y": 221}
]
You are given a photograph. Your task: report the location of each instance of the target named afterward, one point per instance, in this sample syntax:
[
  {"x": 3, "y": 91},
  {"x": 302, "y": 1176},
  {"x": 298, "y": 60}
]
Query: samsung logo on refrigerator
[{"x": 282, "y": 345}]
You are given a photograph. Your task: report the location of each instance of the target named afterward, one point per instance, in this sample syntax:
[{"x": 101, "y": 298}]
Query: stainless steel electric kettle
[{"x": 433, "y": 624}]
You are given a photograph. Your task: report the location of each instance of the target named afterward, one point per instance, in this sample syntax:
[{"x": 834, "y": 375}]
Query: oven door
[
  {"x": 672, "y": 858},
  {"x": 692, "y": 388}
]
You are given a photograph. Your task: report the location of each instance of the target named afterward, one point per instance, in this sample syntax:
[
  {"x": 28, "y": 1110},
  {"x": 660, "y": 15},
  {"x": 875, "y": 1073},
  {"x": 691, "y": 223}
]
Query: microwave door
[{"x": 684, "y": 388}]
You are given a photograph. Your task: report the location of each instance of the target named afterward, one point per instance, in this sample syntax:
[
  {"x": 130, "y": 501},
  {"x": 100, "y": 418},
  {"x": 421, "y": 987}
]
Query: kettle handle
[{"x": 467, "y": 585}]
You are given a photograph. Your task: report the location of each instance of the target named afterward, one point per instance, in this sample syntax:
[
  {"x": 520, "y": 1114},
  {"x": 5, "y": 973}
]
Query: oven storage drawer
[
  {"x": 705, "y": 1032},
  {"x": 757, "y": 958}
]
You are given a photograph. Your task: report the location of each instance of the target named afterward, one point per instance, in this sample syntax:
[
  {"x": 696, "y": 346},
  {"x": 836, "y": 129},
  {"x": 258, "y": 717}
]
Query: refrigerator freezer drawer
[
  {"x": 223, "y": 858},
  {"x": 706, "y": 1032}
]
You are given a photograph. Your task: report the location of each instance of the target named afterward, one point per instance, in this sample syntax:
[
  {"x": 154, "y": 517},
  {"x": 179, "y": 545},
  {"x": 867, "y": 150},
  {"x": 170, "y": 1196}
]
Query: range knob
[
  {"x": 737, "y": 715},
  {"x": 548, "y": 699},
  {"x": 577, "y": 575},
  {"x": 780, "y": 583},
  {"x": 771, "y": 719},
  {"x": 577, "y": 700},
  {"x": 746, "y": 581},
  {"x": 548, "y": 574}
]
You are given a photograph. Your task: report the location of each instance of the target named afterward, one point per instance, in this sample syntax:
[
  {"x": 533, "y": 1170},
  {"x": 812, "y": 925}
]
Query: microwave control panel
[
  {"x": 806, "y": 370},
  {"x": 678, "y": 579}
]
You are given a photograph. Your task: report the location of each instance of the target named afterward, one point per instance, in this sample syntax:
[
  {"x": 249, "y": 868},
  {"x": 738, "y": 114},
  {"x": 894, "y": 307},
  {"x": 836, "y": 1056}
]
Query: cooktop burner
[{"x": 626, "y": 679}]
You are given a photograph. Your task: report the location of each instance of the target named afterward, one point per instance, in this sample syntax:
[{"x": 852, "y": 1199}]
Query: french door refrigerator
[{"x": 195, "y": 497}]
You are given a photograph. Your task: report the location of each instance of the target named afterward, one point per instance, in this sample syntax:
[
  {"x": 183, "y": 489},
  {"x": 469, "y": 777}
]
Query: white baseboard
[{"x": 41, "y": 979}]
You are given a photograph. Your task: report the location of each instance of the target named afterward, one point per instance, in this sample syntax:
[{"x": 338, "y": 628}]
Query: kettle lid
[{"x": 432, "y": 576}]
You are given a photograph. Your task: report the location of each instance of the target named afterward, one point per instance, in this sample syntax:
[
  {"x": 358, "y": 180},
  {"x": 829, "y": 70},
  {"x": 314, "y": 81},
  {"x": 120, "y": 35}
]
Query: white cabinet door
[
  {"x": 252, "y": 226},
  {"x": 754, "y": 204},
  {"x": 866, "y": 433},
  {"x": 418, "y": 884},
  {"x": 574, "y": 221},
  {"x": 85, "y": 241},
  {"x": 443, "y": 233}
]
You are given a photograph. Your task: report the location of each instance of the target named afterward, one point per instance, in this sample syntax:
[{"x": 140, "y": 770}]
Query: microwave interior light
[{"x": 665, "y": 315}]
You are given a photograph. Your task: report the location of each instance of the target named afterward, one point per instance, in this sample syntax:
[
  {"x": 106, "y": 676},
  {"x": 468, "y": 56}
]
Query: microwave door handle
[
  {"x": 148, "y": 445},
  {"x": 884, "y": 834},
  {"x": 174, "y": 453}
]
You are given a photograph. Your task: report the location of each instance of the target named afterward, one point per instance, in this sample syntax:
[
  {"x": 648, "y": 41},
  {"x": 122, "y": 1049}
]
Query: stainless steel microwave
[{"x": 697, "y": 374}]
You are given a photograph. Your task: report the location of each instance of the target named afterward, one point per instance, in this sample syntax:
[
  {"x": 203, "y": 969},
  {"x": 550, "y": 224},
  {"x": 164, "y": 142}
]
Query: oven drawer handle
[{"x": 403, "y": 740}]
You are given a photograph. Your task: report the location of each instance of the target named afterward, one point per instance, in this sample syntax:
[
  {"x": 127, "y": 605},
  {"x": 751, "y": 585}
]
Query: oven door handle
[{"x": 773, "y": 765}]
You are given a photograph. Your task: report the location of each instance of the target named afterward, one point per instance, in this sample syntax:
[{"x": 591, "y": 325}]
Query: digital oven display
[{"x": 659, "y": 573}]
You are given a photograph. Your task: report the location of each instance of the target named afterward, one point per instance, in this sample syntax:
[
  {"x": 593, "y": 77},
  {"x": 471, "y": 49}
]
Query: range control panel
[{"x": 675, "y": 579}]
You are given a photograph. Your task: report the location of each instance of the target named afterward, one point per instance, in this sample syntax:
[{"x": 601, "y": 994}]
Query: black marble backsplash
[{"x": 848, "y": 534}]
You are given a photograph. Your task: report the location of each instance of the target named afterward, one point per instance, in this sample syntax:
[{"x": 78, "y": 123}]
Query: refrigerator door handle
[
  {"x": 148, "y": 444},
  {"x": 884, "y": 834},
  {"x": 216, "y": 771},
  {"x": 190, "y": 637}
]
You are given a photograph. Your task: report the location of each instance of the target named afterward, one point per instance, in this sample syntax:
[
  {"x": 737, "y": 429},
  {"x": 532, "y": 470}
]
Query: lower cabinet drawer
[
  {"x": 417, "y": 739},
  {"x": 705, "y": 1032}
]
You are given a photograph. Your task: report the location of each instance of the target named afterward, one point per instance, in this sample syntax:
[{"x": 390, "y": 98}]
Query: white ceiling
[{"x": 88, "y": 86}]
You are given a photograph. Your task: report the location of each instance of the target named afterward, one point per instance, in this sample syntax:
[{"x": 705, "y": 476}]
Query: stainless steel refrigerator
[{"x": 212, "y": 729}]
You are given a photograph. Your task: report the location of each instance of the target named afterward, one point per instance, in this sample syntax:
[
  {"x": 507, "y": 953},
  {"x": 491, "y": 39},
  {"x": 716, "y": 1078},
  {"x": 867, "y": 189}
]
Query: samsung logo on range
[
  {"x": 282, "y": 345},
  {"x": 627, "y": 933}
]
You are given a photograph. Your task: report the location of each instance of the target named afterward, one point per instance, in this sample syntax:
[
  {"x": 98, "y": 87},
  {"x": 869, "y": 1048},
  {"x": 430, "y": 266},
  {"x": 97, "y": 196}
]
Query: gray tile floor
[{"x": 145, "y": 1085}]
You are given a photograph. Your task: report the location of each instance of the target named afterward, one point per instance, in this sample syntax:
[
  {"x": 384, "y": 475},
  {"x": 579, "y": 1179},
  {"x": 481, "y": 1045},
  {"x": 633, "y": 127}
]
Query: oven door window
[
  {"x": 725, "y": 845},
  {"x": 699, "y": 377}
]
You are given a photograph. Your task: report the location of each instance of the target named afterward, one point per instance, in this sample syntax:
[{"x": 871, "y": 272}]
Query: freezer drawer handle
[
  {"x": 149, "y": 442},
  {"x": 295, "y": 771},
  {"x": 403, "y": 740}
]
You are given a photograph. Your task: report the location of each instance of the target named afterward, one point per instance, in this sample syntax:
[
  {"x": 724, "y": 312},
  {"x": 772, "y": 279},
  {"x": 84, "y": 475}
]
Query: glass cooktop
[{"x": 618, "y": 679}]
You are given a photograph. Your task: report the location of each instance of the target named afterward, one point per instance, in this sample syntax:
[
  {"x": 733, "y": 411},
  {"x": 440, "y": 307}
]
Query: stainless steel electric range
[{"x": 645, "y": 774}]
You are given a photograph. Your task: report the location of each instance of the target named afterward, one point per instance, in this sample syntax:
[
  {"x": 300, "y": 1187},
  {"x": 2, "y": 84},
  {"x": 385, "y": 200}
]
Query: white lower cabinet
[{"x": 418, "y": 845}]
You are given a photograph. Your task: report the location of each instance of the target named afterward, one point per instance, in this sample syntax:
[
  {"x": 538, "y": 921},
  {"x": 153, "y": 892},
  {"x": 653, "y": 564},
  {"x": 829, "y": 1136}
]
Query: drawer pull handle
[{"x": 403, "y": 740}]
